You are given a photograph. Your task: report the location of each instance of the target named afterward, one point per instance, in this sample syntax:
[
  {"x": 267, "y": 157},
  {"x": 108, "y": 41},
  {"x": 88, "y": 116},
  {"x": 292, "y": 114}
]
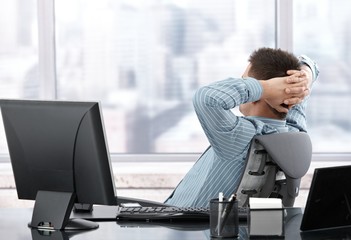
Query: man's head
[{"x": 264, "y": 64}]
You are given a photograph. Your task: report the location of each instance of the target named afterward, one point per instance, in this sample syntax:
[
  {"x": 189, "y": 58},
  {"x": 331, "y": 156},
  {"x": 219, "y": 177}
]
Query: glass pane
[
  {"x": 18, "y": 53},
  {"x": 144, "y": 59},
  {"x": 324, "y": 34}
]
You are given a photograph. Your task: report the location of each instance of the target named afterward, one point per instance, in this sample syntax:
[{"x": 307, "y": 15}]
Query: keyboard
[{"x": 170, "y": 213}]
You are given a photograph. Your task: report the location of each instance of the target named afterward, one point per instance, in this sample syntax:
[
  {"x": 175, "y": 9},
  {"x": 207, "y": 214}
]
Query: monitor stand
[
  {"x": 38, "y": 234},
  {"x": 52, "y": 212}
]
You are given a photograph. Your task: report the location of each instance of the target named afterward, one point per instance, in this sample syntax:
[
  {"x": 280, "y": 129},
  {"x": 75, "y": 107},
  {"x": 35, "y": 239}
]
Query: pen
[
  {"x": 232, "y": 197},
  {"x": 220, "y": 197},
  {"x": 220, "y": 202},
  {"x": 226, "y": 211}
]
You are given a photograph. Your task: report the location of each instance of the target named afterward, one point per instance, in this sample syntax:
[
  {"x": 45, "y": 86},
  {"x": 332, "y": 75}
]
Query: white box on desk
[{"x": 266, "y": 217}]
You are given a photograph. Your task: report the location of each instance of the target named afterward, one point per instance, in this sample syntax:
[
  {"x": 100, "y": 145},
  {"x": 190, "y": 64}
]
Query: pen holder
[{"x": 224, "y": 220}]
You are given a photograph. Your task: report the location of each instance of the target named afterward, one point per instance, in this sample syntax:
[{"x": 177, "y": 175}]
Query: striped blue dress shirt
[{"x": 220, "y": 167}]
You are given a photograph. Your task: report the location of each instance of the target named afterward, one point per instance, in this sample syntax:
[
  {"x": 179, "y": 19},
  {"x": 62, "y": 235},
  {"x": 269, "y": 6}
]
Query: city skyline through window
[{"x": 143, "y": 60}]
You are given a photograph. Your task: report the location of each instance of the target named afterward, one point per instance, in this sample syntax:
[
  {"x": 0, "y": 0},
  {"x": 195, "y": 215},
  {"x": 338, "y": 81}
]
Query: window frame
[{"x": 47, "y": 76}]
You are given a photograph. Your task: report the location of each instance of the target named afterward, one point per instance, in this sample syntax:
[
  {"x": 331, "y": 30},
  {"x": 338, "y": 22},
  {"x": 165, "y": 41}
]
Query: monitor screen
[
  {"x": 329, "y": 200},
  {"x": 58, "y": 148}
]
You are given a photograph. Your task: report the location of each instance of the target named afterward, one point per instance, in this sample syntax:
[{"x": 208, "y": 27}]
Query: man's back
[{"x": 220, "y": 168}]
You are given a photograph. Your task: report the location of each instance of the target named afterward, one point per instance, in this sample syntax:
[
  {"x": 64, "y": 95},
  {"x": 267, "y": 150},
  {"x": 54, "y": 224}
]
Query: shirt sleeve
[
  {"x": 296, "y": 117},
  {"x": 227, "y": 133}
]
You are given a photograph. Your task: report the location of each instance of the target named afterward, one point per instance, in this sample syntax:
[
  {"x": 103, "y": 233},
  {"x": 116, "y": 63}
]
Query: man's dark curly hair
[{"x": 269, "y": 63}]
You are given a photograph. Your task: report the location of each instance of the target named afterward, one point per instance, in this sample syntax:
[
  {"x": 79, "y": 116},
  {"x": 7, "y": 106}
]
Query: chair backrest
[{"x": 274, "y": 167}]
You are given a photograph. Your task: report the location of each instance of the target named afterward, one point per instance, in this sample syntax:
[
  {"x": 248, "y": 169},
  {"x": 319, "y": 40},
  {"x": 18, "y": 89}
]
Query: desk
[{"x": 13, "y": 226}]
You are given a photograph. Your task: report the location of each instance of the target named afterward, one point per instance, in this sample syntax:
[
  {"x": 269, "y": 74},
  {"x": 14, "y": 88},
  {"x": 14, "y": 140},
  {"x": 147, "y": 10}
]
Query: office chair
[{"x": 274, "y": 167}]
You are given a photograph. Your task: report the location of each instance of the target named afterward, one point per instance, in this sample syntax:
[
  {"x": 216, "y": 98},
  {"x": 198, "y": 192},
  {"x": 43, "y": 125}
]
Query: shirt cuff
[
  {"x": 254, "y": 89},
  {"x": 311, "y": 64}
]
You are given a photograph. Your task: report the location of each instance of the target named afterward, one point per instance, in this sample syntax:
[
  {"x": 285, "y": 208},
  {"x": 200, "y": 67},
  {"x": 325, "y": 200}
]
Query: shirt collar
[{"x": 280, "y": 125}]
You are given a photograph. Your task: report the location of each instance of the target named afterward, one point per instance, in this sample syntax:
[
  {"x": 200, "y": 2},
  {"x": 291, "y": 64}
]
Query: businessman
[{"x": 271, "y": 95}]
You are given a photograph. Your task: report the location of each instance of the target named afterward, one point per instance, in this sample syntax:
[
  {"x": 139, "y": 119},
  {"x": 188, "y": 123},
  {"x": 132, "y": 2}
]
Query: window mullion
[
  {"x": 284, "y": 24},
  {"x": 47, "y": 57}
]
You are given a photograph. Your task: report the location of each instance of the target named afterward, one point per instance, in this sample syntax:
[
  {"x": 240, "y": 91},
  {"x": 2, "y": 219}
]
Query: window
[
  {"x": 144, "y": 59},
  {"x": 18, "y": 53},
  {"x": 324, "y": 33}
]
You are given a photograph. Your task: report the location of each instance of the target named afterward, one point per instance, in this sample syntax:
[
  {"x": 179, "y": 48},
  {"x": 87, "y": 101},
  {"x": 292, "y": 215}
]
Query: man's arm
[
  {"x": 213, "y": 104},
  {"x": 296, "y": 116},
  {"x": 227, "y": 133}
]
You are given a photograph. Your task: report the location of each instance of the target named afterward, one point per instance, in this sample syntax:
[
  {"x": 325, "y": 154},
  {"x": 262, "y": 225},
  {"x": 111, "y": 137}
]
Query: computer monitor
[
  {"x": 59, "y": 157},
  {"x": 328, "y": 204}
]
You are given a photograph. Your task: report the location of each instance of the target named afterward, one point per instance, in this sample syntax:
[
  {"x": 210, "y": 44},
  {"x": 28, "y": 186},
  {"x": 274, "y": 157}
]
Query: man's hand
[
  {"x": 297, "y": 94},
  {"x": 306, "y": 72},
  {"x": 288, "y": 90}
]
